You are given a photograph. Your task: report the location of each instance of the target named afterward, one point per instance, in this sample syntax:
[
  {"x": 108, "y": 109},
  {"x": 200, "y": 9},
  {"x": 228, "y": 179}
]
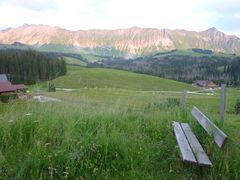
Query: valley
[
  {"x": 119, "y": 90},
  {"x": 100, "y": 104},
  {"x": 113, "y": 124}
]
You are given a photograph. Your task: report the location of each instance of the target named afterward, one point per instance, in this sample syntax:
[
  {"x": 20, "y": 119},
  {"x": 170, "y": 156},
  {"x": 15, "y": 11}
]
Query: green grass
[
  {"x": 184, "y": 52},
  {"x": 190, "y": 52},
  {"x": 112, "y": 132},
  {"x": 74, "y": 61},
  {"x": 107, "y": 78}
]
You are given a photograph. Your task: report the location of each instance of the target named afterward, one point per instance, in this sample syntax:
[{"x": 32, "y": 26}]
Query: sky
[{"x": 197, "y": 15}]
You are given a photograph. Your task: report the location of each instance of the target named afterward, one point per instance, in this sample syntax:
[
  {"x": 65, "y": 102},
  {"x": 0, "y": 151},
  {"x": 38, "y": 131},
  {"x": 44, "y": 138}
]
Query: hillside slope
[{"x": 79, "y": 77}]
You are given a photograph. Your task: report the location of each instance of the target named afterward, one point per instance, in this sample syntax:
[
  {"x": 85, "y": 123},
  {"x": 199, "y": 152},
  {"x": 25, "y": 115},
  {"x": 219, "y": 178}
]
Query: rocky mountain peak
[{"x": 133, "y": 40}]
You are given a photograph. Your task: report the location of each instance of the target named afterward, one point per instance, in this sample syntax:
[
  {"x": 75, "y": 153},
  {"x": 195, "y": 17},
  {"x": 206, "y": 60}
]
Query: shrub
[
  {"x": 51, "y": 87},
  {"x": 13, "y": 96},
  {"x": 4, "y": 98},
  {"x": 237, "y": 107}
]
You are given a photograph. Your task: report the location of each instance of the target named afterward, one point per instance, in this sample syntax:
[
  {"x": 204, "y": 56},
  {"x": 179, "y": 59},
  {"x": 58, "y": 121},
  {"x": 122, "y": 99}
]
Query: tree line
[
  {"x": 29, "y": 66},
  {"x": 185, "y": 68},
  {"x": 234, "y": 70}
]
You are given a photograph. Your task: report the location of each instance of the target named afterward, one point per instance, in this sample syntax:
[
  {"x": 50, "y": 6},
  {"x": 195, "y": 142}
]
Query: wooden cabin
[
  {"x": 206, "y": 84},
  {"x": 7, "y": 87}
]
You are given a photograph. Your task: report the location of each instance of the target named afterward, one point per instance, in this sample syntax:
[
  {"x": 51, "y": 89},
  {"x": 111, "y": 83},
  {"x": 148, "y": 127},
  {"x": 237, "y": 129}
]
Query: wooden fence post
[
  {"x": 184, "y": 95},
  {"x": 223, "y": 102}
]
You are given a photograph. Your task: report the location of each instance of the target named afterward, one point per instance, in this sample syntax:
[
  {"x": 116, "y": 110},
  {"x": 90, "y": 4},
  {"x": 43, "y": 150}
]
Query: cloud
[
  {"x": 223, "y": 7},
  {"x": 153, "y": 13},
  {"x": 33, "y": 5},
  {"x": 65, "y": 13},
  {"x": 73, "y": 14},
  {"x": 228, "y": 22},
  {"x": 223, "y": 14},
  {"x": 86, "y": 14}
]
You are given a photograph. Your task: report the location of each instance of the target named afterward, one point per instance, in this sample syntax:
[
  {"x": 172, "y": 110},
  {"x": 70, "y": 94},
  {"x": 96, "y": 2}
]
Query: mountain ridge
[{"x": 132, "y": 41}]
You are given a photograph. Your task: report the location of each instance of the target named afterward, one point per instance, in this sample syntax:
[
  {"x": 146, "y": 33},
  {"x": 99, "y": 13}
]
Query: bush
[
  {"x": 9, "y": 96},
  {"x": 13, "y": 96},
  {"x": 237, "y": 107},
  {"x": 51, "y": 87},
  {"x": 4, "y": 98}
]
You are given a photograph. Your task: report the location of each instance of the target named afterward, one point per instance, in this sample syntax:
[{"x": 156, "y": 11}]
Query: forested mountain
[
  {"x": 30, "y": 66},
  {"x": 120, "y": 42},
  {"x": 176, "y": 54},
  {"x": 186, "y": 68}
]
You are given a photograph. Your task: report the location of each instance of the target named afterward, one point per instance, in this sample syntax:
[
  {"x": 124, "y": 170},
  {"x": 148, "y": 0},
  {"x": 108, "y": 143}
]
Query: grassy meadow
[
  {"x": 112, "y": 125},
  {"x": 74, "y": 61},
  {"x": 80, "y": 77}
]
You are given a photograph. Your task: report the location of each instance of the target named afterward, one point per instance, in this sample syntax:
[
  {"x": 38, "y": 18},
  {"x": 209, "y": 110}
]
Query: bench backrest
[{"x": 219, "y": 136}]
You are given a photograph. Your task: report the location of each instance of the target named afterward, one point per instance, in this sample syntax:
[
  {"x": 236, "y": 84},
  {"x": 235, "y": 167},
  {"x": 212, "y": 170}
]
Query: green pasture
[{"x": 113, "y": 125}]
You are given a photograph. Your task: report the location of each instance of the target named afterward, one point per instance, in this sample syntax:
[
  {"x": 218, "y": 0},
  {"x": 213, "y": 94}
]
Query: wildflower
[{"x": 47, "y": 144}]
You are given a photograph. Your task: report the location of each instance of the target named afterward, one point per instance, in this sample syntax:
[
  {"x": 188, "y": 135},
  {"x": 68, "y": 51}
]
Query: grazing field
[
  {"x": 113, "y": 125},
  {"x": 78, "y": 77},
  {"x": 74, "y": 61}
]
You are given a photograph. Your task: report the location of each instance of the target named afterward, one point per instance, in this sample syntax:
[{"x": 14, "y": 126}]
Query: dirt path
[{"x": 42, "y": 98}]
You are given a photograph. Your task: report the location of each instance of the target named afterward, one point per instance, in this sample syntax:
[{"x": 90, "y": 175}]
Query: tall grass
[
  {"x": 73, "y": 141},
  {"x": 110, "y": 133}
]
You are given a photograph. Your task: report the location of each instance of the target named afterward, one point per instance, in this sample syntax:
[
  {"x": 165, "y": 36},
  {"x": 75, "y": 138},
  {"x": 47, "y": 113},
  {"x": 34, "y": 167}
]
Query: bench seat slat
[
  {"x": 219, "y": 136},
  {"x": 197, "y": 149},
  {"x": 186, "y": 152}
]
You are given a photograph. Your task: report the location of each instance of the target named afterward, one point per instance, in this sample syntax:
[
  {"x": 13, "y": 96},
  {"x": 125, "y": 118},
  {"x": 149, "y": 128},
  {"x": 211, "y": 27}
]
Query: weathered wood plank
[
  {"x": 197, "y": 149},
  {"x": 186, "y": 152},
  {"x": 223, "y": 102},
  {"x": 219, "y": 136}
]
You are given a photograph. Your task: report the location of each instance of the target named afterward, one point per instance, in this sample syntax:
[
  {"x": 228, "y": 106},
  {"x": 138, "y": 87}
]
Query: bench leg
[
  {"x": 200, "y": 173},
  {"x": 180, "y": 164}
]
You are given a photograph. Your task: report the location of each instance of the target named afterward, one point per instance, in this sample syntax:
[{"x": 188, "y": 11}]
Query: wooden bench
[
  {"x": 219, "y": 136},
  {"x": 191, "y": 149}
]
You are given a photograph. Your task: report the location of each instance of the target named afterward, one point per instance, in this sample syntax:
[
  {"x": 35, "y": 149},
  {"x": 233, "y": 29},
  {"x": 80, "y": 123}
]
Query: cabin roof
[
  {"x": 205, "y": 83},
  {"x": 3, "y": 78},
  {"x": 19, "y": 86},
  {"x": 7, "y": 87}
]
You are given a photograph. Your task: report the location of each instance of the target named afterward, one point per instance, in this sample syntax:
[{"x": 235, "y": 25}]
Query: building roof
[
  {"x": 6, "y": 87},
  {"x": 19, "y": 86},
  {"x": 3, "y": 78},
  {"x": 205, "y": 83}
]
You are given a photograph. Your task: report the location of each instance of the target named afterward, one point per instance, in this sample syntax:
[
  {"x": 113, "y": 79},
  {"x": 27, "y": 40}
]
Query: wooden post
[
  {"x": 184, "y": 95},
  {"x": 223, "y": 102}
]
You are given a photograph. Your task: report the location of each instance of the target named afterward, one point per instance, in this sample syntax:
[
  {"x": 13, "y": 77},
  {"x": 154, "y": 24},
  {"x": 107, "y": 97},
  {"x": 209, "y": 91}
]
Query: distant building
[
  {"x": 6, "y": 86},
  {"x": 206, "y": 84}
]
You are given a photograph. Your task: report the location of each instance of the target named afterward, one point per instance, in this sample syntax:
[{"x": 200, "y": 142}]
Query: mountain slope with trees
[
  {"x": 181, "y": 67},
  {"x": 30, "y": 66}
]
